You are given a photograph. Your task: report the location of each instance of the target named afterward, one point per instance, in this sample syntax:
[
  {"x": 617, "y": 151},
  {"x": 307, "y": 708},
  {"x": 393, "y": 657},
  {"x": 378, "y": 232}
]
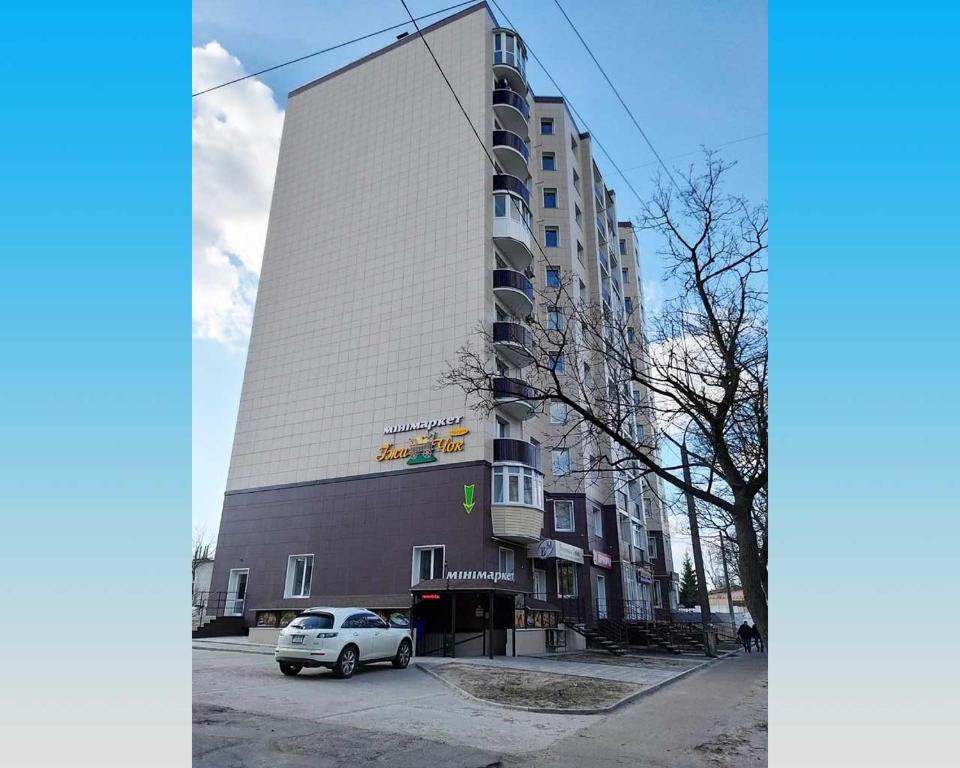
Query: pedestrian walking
[
  {"x": 745, "y": 636},
  {"x": 757, "y": 639}
]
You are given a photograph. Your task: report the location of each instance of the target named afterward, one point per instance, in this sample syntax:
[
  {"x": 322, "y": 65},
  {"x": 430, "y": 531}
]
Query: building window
[
  {"x": 517, "y": 485},
  {"x": 500, "y": 206},
  {"x": 549, "y": 197},
  {"x": 651, "y": 547},
  {"x": 578, "y": 215},
  {"x": 561, "y": 461},
  {"x": 657, "y": 596},
  {"x": 558, "y": 412},
  {"x": 573, "y": 142},
  {"x": 637, "y": 536},
  {"x": 555, "y": 362},
  {"x": 576, "y": 182},
  {"x": 549, "y": 161},
  {"x": 551, "y": 237},
  {"x": 539, "y": 584},
  {"x": 503, "y": 428},
  {"x": 631, "y": 335},
  {"x": 553, "y": 277},
  {"x": 554, "y": 319},
  {"x": 506, "y": 560},
  {"x": 596, "y": 520},
  {"x": 583, "y": 293},
  {"x": 299, "y": 575},
  {"x": 563, "y": 516},
  {"x": 623, "y": 247},
  {"x": 580, "y": 252},
  {"x": 626, "y": 276},
  {"x": 566, "y": 579},
  {"x": 427, "y": 563},
  {"x": 628, "y": 305},
  {"x": 546, "y": 126}
]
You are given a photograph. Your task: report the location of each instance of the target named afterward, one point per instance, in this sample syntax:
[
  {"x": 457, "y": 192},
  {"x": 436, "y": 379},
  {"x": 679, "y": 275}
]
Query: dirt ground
[
  {"x": 630, "y": 660},
  {"x": 535, "y": 689}
]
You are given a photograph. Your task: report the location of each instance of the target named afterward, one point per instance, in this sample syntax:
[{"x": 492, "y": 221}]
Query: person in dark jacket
[
  {"x": 745, "y": 636},
  {"x": 757, "y": 639}
]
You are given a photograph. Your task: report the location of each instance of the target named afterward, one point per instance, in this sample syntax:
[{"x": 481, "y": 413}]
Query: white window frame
[
  {"x": 556, "y": 198},
  {"x": 542, "y": 574},
  {"x": 291, "y": 571},
  {"x": 573, "y": 519},
  {"x": 522, "y": 473},
  {"x": 546, "y": 277},
  {"x": 415, "y": 563},
  {"x": 657, "y": 595},
  {"x": 547, "y": 121},
  {"x": 544, "y": 156},
  {"x": 511, "y": 556},
  {"x": 553, "y": 461},
  {"x": 651, "y": 547},
  {"x": 556, "y": 231},
  {"x": 596, "y": 517}
]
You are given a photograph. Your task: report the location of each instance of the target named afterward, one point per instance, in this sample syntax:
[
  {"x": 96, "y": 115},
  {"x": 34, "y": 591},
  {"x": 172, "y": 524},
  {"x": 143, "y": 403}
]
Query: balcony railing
[
  {"x": 505, "y": 183},
  {"x": 509, "y": 278},
  {"x": 518, "y": 451},
  {"x": 506, "y": 387},
  {"x": 509, "y": 98}
]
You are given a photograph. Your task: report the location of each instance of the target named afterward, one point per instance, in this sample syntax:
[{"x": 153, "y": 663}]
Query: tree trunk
[{"x": 752, "y": 571}]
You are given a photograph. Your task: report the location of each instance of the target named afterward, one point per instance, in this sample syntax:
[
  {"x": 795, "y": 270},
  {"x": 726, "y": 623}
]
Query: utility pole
[
  {"x": 697, "y": 555},
  {"x": 726, "y": 578}
]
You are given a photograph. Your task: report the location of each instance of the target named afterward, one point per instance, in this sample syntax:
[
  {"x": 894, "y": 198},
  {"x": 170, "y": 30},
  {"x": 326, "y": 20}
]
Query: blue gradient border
[
  {"x": 864, "y": 361},
  {"x": 95, "y": 384},
  {"x": 95, "y": 390}
]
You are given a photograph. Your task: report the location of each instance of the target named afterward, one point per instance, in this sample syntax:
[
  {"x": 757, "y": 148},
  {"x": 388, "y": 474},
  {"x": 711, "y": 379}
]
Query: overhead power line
[
  {"x": 697, "y": 151},
  {"x": 614, "y": 89},
  {"x": 593, "y": 137},
  {"x": 332, "y": 48}
]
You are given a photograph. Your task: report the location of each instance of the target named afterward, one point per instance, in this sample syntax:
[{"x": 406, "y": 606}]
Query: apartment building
[{"x": 354, "y": 479}]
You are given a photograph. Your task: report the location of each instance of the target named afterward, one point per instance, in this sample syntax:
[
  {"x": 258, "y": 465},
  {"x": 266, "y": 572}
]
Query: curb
[
  {"x": 197, "y": 647},
  {"x": 583, "y": 710}
]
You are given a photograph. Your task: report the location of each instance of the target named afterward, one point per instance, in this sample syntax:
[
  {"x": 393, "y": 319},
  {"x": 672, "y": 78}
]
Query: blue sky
[{"x": 692, "y": 73}]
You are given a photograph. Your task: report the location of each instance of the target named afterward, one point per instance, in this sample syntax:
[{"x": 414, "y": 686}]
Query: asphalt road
[{"x": 247, "y": 715}]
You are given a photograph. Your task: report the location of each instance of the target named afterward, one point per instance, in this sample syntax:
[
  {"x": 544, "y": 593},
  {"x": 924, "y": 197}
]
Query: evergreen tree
[{"x": 689, "y": 590}]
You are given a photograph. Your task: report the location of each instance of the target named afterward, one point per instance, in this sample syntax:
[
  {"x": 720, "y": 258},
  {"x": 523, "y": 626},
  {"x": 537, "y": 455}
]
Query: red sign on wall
[{"x": 601, "y": 559}]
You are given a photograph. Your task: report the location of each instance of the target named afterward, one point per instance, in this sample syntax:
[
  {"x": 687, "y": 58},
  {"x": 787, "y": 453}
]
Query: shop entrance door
[
  {"x": 601, "y": 582},
  {"x": 236, "y": 592}
]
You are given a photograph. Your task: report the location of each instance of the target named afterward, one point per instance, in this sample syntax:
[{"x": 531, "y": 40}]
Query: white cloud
[{"x": 236, "y": 138}]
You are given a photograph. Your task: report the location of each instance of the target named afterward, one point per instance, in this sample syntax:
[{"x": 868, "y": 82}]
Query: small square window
[
  {"x": 555, "y": 362},
  {"x": 553, "y": 277},
  {"x": 576, "y": 181},
  {"x": 546, "y": 126},
  {"x": 628, "y": 305},
  {"x": 563, "y": 516},
  {"x": 549, "y": 197},
  {"x": 578, "y": 215},
  {"x": 623, "y": 247},
  {"x": 549, "y": 161},
  {"x": 551, "y": 237},
  {"x": 561, "y": 461},
  {"x": 580, "y": 253}
]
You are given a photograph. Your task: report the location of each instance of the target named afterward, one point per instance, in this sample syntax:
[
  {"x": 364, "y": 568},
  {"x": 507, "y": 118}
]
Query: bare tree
[
  {"x": 203, "y": 552},
  {"x": 696, "y": 375}
]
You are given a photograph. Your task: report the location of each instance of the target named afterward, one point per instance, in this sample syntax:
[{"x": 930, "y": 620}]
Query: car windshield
[{"x": 314, "y": 621}]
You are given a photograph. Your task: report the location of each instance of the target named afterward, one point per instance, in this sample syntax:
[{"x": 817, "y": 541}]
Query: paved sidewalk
[{"x": 645, "y": 675}]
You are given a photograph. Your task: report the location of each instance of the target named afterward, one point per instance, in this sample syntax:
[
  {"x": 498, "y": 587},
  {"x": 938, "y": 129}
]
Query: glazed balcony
[
  {"x": 510, "y": 59},
  {"x": 511, "y": 230},
  {"x": 514, "y": 397},
  {"x": 513, "y": 154},
  {"x": 513, "y": 111},
  {"x": 514, "y": 290},
  {"x": 514, "y": 342}
]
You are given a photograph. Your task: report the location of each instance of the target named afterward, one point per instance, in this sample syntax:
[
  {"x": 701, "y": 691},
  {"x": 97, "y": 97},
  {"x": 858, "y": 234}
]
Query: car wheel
[
  {"x": 402, "y": 658},
  {"x": 346, "y": 662},
  {"x": 290, "y": 669}
]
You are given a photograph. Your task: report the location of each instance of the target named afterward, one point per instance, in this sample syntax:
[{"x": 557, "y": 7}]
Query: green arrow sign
[{"x": 468, "y": 498}]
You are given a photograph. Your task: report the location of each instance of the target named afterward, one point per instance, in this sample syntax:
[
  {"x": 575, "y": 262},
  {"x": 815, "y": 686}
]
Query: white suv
[{"x": 340, "y": 639}]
